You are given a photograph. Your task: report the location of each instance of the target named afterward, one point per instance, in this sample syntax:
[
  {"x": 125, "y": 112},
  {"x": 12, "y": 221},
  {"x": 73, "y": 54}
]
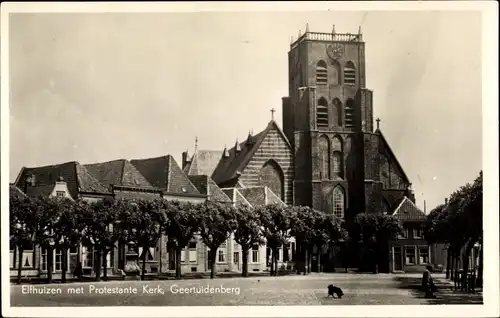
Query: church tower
[{"x": 325, "y": 117}]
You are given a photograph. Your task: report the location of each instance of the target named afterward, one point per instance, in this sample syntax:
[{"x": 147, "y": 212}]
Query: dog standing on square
[{"x": 334, "y": 290}]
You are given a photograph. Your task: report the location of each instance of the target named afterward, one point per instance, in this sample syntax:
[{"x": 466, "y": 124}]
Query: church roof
[
  {"x": 382, "y": 137},
  {"x": 236, "y": 196},
  {"x": 76, "y": 176},
  {"x": 261, "y": 195},
  {"x": 118, "y": 172},
  {"x": 228, "y": 168},
  {"x": 164, "y": 172},
  {"x": 207, "y": 186},
  {"x": 408, "y": 211},
  {"x": 203, "y": 162}
]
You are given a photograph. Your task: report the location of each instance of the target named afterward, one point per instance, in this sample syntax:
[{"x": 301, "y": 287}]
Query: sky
[{"x": 103, "y": 86}]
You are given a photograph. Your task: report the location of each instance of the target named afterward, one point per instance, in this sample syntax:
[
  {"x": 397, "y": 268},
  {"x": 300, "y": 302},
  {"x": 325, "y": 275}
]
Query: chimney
[
  {"x": 445, "y": 200},
  {"x": 33, "y": 180},
  {"x": 185, "y": 159},
  {"x": 425, "y": 209}
]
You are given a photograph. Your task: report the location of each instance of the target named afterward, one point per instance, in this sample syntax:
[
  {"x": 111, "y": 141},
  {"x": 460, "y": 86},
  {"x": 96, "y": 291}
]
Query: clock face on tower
[{"x": 335, "y": 51}]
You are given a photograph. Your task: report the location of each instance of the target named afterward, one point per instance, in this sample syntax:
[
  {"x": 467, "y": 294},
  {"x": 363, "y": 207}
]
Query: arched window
[
  {"x": 336, "y": 73},
  {"x": 338, "y": 202},
  {"x": 349, "y": 113},
  {"x": 349, "y": 73},
  {"x": 322, "y": 113},
  {"x": 337, "y": 144},
  {"x": 321, "y": 73},
  {"x": 338, "y": 167},
  {"x": 271, "y": 175},
  {"x": 324, "y": 157},
  {"x": 385, "y": 207},
  {"x": 337, "y": 108}
]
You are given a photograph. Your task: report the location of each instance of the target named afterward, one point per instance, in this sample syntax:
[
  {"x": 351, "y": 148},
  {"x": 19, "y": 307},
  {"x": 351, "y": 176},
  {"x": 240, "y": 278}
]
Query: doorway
[{"x": 397, "y": 259}]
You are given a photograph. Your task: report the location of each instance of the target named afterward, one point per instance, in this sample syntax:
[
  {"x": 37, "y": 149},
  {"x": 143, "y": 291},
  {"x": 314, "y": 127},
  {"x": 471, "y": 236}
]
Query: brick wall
[{"x": 274, "y": 147}]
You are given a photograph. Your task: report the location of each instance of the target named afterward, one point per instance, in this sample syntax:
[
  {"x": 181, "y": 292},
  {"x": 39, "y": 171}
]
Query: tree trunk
[
  {"x": 244, "y": 250},
  {"x": 319, "y": 261},
  {"x": 97, "y": 265},
  {"x": 105, "y": 264},
  {"x": 452, "y": 263},
  {"x": 20, "y": 266},
  {"x": 272, "y": 262},
  {"x": 64, "y": 263},
  {"x": 50, "y": 264},
  {"x": 276, "y": 268},
  {"x": 212, "y": 265},
  {"x": 145, "y": 250},
  {"x": 306, "y": 261},
  {"x": 309, "y": 261},
  {"x": 448, "y": 263},
  {"x": 479, "y": 282},
  {"x": 466, "y": 255},
  {"x": 178, "y": 251}
]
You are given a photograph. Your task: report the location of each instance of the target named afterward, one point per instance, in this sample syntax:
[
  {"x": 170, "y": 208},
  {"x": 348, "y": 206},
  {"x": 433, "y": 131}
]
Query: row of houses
[{"x": 150, "y": 178}]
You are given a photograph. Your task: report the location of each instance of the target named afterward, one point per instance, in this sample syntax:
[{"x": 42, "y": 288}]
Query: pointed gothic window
[
  {"x": 321, "y": 73},
  {"x": 338, "y": 202},
  {"x": 322, "y": 113},
  {"x": 337, "y": 108},
  {"x": 324, "y": 157},
  {"x": 349, "y": 73},
  {"x": 271, "y": 175},
  {"x": 349, "y": 113}
]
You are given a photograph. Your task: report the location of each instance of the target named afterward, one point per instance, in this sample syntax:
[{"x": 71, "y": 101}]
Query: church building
[{"x": 328, "y": 154}]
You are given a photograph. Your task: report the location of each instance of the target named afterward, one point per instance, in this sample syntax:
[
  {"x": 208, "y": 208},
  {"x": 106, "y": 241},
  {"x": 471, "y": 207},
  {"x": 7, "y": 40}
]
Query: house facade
[
  {"x": 411, "y": 252},
  {"x": 123, "y": 179}
]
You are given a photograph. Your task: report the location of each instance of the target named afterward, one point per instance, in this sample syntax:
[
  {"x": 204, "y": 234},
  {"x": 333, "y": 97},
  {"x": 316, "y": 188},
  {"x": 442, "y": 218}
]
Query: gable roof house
[
  {"x": 123, "y": 179},
  {"x": 165, "y": 174},
  {"x": 410, "y": 252},
  {"x": 70, "y": 176}
]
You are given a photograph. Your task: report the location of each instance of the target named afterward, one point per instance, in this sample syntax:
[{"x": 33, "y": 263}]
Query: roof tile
[
  {"x": 408, "y": 211},
  {"x": 207, "y": 186},
  {"x": 118, "y": 172},
  {"x": 203, "y": 162},
  {"x": 164, "y": 172},
  {"x": 76, "y": 176}
]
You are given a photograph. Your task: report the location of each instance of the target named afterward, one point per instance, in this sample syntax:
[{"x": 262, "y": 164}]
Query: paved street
[{"x": 359, "y": 289}]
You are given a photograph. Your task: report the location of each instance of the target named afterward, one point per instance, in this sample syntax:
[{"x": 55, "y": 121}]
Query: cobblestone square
[{"x": 359, "y": 289}]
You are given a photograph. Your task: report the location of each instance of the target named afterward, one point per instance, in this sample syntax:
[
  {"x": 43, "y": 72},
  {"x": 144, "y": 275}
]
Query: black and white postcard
[{"x": 250, "y": 159}]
